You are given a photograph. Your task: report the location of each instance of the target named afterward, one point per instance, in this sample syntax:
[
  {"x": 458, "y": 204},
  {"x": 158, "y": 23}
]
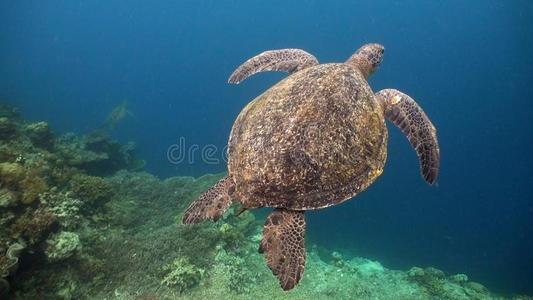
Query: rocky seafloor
[{"x": 79, "y": 219}]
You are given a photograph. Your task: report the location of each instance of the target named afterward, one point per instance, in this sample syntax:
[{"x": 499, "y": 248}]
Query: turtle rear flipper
[
  {"x": 284, "y": 245},
  {"x": 211, "y": 204},
  {"x": 405, "y": 113}
]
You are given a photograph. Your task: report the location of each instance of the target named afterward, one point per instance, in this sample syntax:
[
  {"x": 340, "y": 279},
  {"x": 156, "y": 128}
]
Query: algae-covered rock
[
  {"x": 40, "y": 134},
  {"x": 93, "y": 191},
  {"x": 61, "y": 246},
  {"x": 6, "y": 217},
  {"x": 416, "y": 272},
  {"x": 32, "y": 186},
  {"x": 97, "y": 153},
  {"x": 337, "y": 259},
  {"x": 8, "y": 129},
  {"x": 430, "y": 279},
  {"x": 476, "y": 290},
  {"x": 182, "y": 274},
  {"x": 27, "y": 180},
  {"x": 64, "y": 207},
  {"x": 118, "y": 156},
  {"x": 459, "y": 278},
  {"x": 233, "y": 232},
  {"x": 11, "y": 174},
  {"x": 33, "y": 225},
  {"x": 239, "y": 278},
  {"x": 8, "y": 198},
  {"x": 8, "y": 111},
  {"x": 367, "y": 267}
]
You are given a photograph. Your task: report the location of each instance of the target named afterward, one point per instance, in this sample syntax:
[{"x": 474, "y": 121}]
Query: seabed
[{"x": 80, "y": 219}]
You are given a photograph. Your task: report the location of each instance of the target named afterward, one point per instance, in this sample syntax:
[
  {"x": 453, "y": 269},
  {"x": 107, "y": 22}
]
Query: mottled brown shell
[{"x": 313, "y": 140}]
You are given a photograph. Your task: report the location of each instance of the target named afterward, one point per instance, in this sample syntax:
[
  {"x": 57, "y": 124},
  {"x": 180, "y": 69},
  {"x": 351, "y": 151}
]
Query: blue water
[{"x": 468, "y": 63}]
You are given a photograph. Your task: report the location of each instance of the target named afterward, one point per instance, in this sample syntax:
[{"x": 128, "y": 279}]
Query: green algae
[{"x": 181, "y": 274}]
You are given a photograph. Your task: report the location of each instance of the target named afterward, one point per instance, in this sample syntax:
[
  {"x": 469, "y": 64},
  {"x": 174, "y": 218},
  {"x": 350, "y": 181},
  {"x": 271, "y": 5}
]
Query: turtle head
[{"x": 367, "y": 58}]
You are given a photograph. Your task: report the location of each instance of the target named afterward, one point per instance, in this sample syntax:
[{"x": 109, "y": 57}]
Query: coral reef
[
  {"x": 138, "y": 250},
  {"x": 66, "y": 232},
  {"x": 98, "y": 154},
  {"x": 47, "y": 203}
]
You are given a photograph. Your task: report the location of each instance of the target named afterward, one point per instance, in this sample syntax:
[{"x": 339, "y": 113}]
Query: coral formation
[
  {"x": 7, "y": 129},
  {"x": 11, "y": 174},
  {"x": 93, "y": 191},
  {"x": 239, "y": 279},
  {"x": 31, "y": 186},
  {"x": 27, "y": 180},
  {"x": 8, "y": 198},
  {"x": 181, "y": 274},
  {"x": 459, "y": 278},
  {"x": 8, "y": 111},
  {"x": 53, "y": 200},
  {"x": 34, "y": 225},
  {"x": 65, "y": 208},
  {"x": 40, "y": 134},
  {"x": 45, "y": 189},
  {"x": 98, "y": 154},
  {"x": 61, "y": 246}
]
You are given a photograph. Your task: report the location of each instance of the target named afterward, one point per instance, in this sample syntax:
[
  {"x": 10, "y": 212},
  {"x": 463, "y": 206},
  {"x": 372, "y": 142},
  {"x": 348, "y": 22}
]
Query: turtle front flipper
[
  {"x": 211, "y": 204},
  {"x": 284, "y": 245},
  {"x": 407, "y": 115},
  {"x": 287, "y": 60}
]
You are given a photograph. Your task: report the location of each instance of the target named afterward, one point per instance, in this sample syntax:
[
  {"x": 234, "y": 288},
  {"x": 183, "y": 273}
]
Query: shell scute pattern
[{"x": 308, "y": 142}]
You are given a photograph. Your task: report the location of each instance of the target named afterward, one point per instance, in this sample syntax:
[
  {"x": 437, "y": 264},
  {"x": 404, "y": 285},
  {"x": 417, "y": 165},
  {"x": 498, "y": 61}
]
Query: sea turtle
[{"x": 313, "y": 140}]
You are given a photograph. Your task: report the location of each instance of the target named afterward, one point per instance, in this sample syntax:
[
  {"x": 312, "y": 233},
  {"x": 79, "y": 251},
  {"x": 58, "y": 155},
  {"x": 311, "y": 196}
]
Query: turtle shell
[{"x": 315, "y": 139}]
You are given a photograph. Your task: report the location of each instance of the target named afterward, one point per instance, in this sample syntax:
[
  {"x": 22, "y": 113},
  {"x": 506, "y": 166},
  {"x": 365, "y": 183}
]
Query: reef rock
[
  {"x": 8, "y": 198},
  {"x": 62, "y": 245},
  {"x": 40, "y": 134},
  {"x": 7, "y": 129}
]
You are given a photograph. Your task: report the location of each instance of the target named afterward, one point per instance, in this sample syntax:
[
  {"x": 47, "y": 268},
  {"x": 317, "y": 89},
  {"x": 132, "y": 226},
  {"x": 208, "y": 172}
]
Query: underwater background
[{"x": 165, "y": 64}]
